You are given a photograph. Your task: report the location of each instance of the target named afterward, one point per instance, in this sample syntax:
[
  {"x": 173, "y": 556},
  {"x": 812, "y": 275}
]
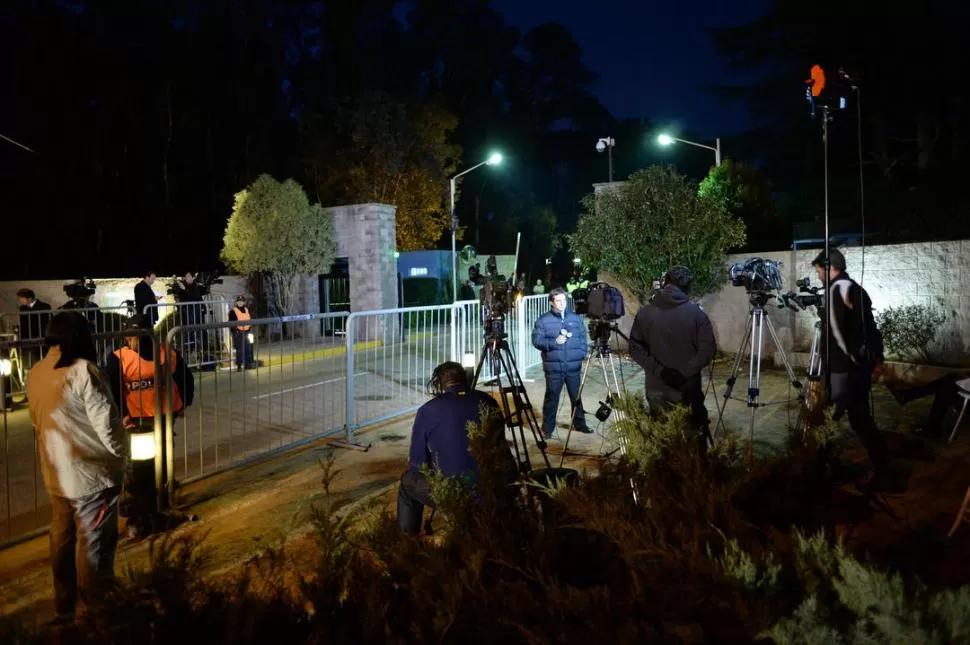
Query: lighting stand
[{"x": 754, "y": 342}]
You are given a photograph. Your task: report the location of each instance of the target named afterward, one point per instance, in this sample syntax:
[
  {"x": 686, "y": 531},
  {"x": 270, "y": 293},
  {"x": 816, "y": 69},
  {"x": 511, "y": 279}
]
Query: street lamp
[
  {"x": 494, "y": 159},
  {"x": 666, "y": 140}
]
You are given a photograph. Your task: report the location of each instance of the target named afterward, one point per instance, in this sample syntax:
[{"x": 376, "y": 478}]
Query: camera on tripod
[
  {"x": 601, "y": 302},
  {"x": 757, "y": 275},
  {"x": 496, "y": 297},
  {"x": 79, "y": 292},
  {"x": 807, "y": 296}
]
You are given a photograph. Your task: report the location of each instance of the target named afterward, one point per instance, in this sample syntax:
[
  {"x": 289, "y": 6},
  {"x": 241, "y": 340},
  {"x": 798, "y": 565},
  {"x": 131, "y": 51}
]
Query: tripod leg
[
  {"x": 784, "y": 357},
  {"x": 754, "y": 376},
  {"x": 732, "y": 377},
  {"x": 572, "y": 417}
]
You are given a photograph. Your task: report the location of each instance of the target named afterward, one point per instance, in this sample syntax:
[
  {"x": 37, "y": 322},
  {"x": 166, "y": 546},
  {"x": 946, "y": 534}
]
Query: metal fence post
[
  {"x": 351, "y": 331},
  {"x": 455, "y": 308},
  {"x": 523, "y": 341}
]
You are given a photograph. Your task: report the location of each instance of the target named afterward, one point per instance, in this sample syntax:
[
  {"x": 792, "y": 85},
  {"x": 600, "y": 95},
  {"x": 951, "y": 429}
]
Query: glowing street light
[
  {"x": 493, "y": 160},
  {"x": 666, "y": 140}
]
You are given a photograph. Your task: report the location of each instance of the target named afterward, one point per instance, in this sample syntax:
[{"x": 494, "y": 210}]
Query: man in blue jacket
[
  {"x": 561, "y": 337},
  {"x": 439, "y": 440}
]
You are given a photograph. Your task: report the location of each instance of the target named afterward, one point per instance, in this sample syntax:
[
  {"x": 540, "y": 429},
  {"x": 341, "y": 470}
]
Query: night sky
[{"x": 653, "y": 58}]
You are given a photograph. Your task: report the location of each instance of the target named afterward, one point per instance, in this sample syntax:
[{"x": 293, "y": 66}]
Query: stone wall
[
  {"x": 367, "y": 236},
  {"x": 929, "y": 273}
]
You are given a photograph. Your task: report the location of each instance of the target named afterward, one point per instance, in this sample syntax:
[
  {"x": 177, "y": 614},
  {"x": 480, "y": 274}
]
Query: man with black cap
[
  {"x": 672, "y": 340},
  {"x": 856, "y": 354}
]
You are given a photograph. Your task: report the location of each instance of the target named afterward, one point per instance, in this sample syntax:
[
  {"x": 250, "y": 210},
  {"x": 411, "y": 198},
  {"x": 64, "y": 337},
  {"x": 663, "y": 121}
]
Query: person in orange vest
[
  {"x": 133, "y": 381},
  {"x": 241, "y": 337}
]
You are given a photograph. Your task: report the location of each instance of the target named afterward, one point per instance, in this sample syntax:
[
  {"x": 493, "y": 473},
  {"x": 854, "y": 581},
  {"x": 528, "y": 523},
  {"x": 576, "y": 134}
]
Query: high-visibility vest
[
  {"x": 242, "y": 315},
  {"x": 139, "y": 381}
]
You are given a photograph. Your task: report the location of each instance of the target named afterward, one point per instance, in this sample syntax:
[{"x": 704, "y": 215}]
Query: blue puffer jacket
[{"x": 560, "y": 358}]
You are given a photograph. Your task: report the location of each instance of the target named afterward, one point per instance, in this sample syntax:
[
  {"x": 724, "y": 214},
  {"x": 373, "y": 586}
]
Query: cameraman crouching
[
  {"x": 672, "y": 340},
  {"x": 439, "y": 440}
]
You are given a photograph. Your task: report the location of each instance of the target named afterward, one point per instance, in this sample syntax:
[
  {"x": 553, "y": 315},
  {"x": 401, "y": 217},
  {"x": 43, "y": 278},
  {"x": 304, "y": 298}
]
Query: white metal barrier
[
  {"x": 289, "y": 391},
  {"x": 203, "y": 347}
]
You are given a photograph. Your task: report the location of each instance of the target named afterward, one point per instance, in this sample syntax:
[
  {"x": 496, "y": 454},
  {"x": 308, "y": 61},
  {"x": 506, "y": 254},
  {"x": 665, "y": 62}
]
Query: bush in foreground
[{"x": 698, "y": 560}]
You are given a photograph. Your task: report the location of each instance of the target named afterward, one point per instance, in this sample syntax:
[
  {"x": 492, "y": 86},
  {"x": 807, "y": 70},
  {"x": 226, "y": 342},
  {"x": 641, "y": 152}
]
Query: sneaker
[{"x": 584, "y": 430}]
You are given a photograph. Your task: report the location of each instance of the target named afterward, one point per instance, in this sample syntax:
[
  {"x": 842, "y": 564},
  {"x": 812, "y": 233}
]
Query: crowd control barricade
[
  {"x": 391, "y": 354},
  {"x": 201, "y": 348},
  {"x": 24, "y": 503},
  {"x": 292, "y": 392}
]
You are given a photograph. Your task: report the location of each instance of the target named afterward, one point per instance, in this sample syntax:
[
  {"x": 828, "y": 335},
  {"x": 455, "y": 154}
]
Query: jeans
[
  {"x": 83, "y": 539},
  {"x": 850, "y": 393},
  {"x": 244, "y": 348},
  {"x": 412, "y": 496},
  {"x": 554, "y": 383}
]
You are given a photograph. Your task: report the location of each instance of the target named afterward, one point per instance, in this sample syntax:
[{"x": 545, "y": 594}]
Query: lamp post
[
  {"x": 666, "y": 140},
  {"x": 493, "y": 159}
]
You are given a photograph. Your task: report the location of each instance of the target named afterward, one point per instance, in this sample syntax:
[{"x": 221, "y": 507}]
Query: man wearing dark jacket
[
  {"x": 439, "y": 441},
  {"x": 561, "y": 337},
  {"x": 673, "y": 341},
  {"x": 856, "y": 351},
  {"x": 33, "y": 324},
  {"x": 144, "y": 296}
]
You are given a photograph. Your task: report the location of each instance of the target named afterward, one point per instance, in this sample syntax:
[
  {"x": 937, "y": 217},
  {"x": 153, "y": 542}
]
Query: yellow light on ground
[
  {"x": 6, "y": 368},
  {"x": 142, "y": 446}
]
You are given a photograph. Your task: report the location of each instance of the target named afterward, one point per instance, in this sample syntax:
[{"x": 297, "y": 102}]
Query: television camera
[
  {"x": 496, "y": 297},
  {"x": 79, "y": 292},
  {"x": 807, "y": 296},
  {"x": 200, "y": 287},
  {"x": 603, "y": 304},
  {"x": 757, "y": 275}
]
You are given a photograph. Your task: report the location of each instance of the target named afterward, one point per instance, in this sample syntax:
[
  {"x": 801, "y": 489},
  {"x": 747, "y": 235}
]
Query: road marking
[{"x": 307, "y": 386}]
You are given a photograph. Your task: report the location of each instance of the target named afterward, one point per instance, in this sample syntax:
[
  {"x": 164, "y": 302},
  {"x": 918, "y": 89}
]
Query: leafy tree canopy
[
  {"x": 746, "y": 194},
  {"x": 275, "y": 229},
  {"x": 657, "y": 219}
]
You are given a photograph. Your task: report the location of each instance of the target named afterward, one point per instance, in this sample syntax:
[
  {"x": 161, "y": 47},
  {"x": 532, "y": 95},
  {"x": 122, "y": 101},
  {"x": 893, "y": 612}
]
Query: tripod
[
  {"x": 755, "y": 334},
  {"x": 516, "y": 406},
  {"x": 599, "y": 332}
]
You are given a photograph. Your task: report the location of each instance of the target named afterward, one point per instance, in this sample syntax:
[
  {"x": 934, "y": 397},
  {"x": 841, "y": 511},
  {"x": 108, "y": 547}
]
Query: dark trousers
[
  {"x": 412, "y": 496},
  {"x": 699, "y": 424},
  {"x": 550, "y": 404},
  {"x": 945, "y": 396},
  {"x": 850, "y": 394},
  {"x": 83, "y": 539},
  {"x": 243, "y": 348}
]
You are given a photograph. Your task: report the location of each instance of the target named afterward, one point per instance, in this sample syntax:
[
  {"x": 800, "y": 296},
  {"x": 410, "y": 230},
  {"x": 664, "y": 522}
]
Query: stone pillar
[{"x": 367, "y": 237}]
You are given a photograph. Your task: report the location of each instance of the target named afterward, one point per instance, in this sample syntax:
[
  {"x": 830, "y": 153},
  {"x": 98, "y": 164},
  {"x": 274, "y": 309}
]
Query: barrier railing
[
  {"x": 391, "y": 354},
  {"x": 202, "y": 347},
  {"x": 24, "y": 504},
  {"x": 302, "y": 385},
  {"x": 291, "y": 391}
]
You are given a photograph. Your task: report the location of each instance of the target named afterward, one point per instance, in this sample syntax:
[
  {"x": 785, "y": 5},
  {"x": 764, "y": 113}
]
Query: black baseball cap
[{"x": 836, "y": 257}]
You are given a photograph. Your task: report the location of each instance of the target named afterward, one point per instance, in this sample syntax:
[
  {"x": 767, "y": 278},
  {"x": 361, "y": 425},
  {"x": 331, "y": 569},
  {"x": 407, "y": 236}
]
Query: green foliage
[
  {"x": 275, "y": 229},
  {"x": 689, "y": 563},
  {"x": 375, "y": 148},
  {"x": 653, "y": 221},
  {"x": 908, "y": 331},
  {"x": 747, "y": 195}
]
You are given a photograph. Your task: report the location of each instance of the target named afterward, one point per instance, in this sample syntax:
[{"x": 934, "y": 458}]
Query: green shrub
[
  {"x": 712, "y": 552},
  {"x": 908, "y": 331}
]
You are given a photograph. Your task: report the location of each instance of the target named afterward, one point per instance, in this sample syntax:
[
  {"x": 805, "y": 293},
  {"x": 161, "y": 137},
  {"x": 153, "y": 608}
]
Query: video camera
[
  {"x": 496, "y": 297},
  {"x": 80, "y": 290},
  {"x": 757, "y": 275},
  {"x": 203, "y": 282},
  {"x": 807, "y": 296}
]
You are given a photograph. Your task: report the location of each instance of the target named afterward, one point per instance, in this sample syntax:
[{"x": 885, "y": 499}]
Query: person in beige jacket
[{"x": 83, "y": 451}]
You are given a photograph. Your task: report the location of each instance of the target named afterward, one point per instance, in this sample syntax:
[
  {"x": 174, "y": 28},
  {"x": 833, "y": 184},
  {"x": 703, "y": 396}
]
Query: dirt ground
[{"x": 244, "y": 511}]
